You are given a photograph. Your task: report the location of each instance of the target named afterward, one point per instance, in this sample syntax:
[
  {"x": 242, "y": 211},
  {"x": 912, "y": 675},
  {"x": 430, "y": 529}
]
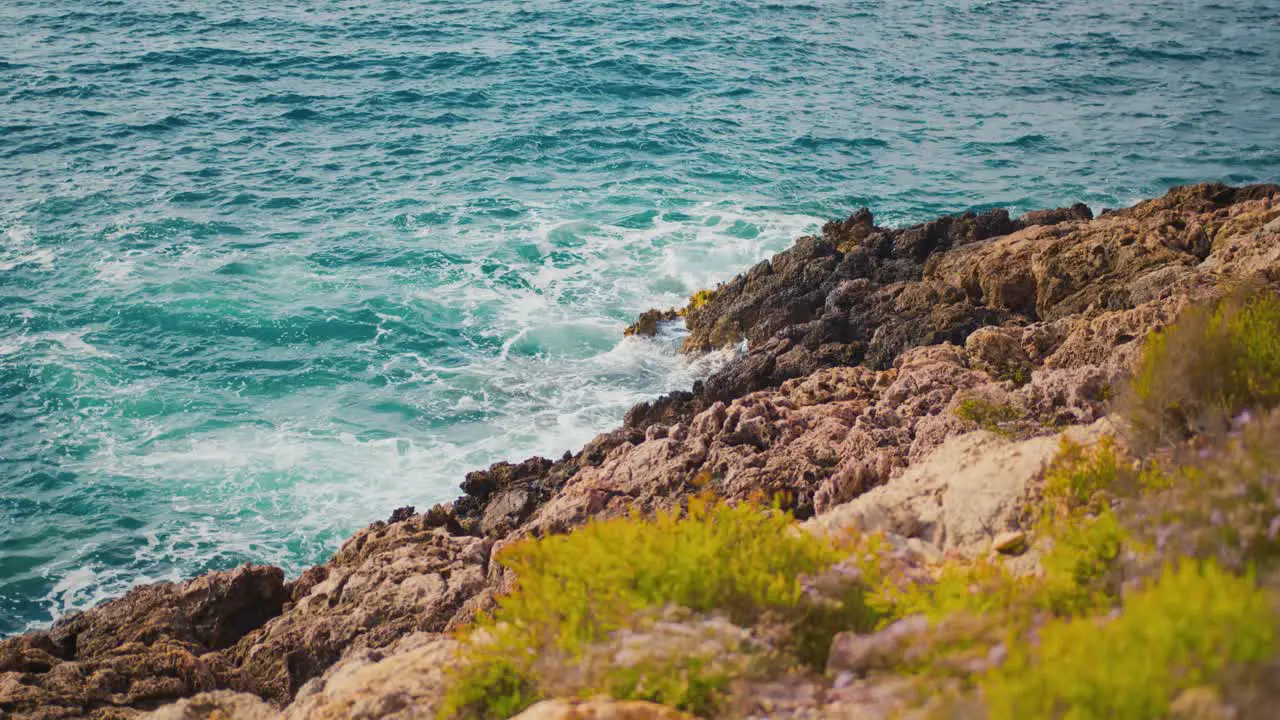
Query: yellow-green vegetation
[
  {"x": 1080, "y": 567},
  {"x": 1079, "y": 475},
  {"x": 986, "y": 414},
  {"x": 1180, "y": 632},
  {"x": 1215, "y": 362},
  {"x": 1017, "y": 374},
  {"x": 700, "y": 298},
  {"x": 576, "y": 590}
]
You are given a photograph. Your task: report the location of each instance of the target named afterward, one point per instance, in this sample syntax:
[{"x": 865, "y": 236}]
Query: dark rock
[
  {"x": 669, "y": 409},
  {"x": 401, "y": 514},
  {"x": 647, "y": 324},
  {"x": 1076, "y": 212}
]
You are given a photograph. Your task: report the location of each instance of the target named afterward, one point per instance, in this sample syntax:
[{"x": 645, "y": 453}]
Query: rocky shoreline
[{"x": 908, "y": 380}]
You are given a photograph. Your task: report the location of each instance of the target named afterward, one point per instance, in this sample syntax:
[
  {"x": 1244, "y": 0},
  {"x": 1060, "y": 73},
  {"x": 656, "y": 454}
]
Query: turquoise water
[{"x": 269, "y": 270}]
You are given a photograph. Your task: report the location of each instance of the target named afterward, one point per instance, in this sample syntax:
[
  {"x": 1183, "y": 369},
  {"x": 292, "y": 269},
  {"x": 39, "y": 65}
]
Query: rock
[
  {"x": 999, "y": 352},
  {"x": 156, "y": 643},
  {"x": 967, "y": 492},
  {"x": 648, "y": 322},
  {"x": 1202, "y": 702},
  {"x": 217, "y": 705},
  {"x": 405, "y": 680},
  {"x": 386, "y": 582},
  {"x": 859, "y": 654},
  {"x": 1077, "y": 212},
  {"x": 1013, "y": 542},
  {"x": 600, "y": 709}
]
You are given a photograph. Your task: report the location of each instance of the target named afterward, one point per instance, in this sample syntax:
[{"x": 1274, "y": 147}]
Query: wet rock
[
  {"x": 647, "y": 324},
  {"x": 1077, "y": 212},
  {"x": 401, "y": 514}
]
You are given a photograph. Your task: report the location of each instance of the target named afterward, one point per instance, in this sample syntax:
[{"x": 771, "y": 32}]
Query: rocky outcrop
[
  {"x": 387, "y": 582},
  {"x": 967, "y": 497},
  {"x": 884, "y": 373},
  {"x": 401, "y": 682},
  {"x": 156, "y": 644}
]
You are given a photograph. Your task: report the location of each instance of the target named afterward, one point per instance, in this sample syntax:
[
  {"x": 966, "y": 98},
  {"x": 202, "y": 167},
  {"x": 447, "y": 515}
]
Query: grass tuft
[{"x": 986, "y": 414}]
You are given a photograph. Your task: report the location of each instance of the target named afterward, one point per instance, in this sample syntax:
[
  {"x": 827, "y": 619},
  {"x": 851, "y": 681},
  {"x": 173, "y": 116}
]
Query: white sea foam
[
  {"x": 18, "y": 249},
  {"x": 306, "y": 468}
]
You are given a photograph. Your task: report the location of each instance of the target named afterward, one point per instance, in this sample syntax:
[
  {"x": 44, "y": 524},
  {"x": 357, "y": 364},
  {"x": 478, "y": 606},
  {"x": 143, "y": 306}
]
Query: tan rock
[
  {"x": 999, "y": 352},
  {"x": 967, "y": 492},
  {"x": 405, "y": 681},
  {"x": 1013, "y": 542},
  {"x": 386, "y": 582},
  {"x": 600, "y": 709},
  {"x": 217, "y": 705}
]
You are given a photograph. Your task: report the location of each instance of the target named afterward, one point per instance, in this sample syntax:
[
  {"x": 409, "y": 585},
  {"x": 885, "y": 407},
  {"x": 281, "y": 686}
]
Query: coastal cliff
[{"x": 910, "y": 382}]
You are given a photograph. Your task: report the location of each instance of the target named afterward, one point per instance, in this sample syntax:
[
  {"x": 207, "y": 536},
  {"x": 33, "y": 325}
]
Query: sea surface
[{"x": 270, "y": 270}]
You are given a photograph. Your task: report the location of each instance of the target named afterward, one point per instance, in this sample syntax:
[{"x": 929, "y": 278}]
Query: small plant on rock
[
  {"x": 1080, "y": 477},
  {"x": 986, "y": 414}
]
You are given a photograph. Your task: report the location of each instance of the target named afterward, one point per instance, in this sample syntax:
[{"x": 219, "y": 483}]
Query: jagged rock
[
  {"x": 403, "y": 681},
  {"x": 386, "y": 582},
  {"x": 154, "y": 644},
  {"x": 968, "y": 491},
  {"x": 999, "y": 352},
  {"x": 648, "y": 322},
  {"x": 1076, "y": 212}
]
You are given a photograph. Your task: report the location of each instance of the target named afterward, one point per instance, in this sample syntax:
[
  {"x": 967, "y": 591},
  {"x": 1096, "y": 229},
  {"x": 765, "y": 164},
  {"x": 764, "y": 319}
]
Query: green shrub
[
  {"x": 986, "y": 414},
  {"x": 959, "y": 587},
  {"x": 579, "y": 590},
  {"x": 1017, "y": 374},
  {"x": 1079, "y": 576},
  {"x": 576, "y": 588},
  {"x": 1210, "y": 365},
  {"x": 1078, "y": 476},
  {"x": 1182, "y": 631},
  {"x": 1080, "y": 569},
  {"x": 495, "y": 683}
]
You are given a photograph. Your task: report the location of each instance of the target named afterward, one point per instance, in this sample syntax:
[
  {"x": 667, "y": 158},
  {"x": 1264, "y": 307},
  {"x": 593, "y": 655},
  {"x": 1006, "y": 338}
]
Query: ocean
[{"x": 270, "y": 270}]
